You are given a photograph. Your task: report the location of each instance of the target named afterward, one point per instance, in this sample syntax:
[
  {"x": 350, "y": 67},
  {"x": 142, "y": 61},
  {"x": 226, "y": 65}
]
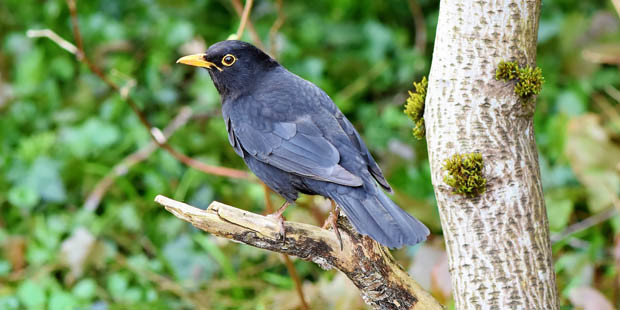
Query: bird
[{"x": 294, "y": 138}]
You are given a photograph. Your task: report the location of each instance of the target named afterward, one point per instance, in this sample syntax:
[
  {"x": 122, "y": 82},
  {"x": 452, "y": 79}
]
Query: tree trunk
[{"x": 498, "y": 243}]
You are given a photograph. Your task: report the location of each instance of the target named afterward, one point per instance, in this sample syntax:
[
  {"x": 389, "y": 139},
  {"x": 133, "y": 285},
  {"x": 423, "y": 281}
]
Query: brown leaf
[
  {"x": 440, "y": 278},
  {"x": 603, "y": 54},
  {"x": 594, "y": 157},
  {"x": 424, "y": 261},
  {"x": 15, "y": 249},
  {"x": 76, "y": 249},
  {"x": 588, "y": 298}
]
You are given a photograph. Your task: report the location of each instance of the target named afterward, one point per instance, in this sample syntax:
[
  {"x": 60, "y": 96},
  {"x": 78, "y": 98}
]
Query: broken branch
[{"x": 382, "y": 281}]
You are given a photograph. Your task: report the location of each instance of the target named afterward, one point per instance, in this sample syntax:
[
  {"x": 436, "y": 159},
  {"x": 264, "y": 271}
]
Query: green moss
[
  {"x": 529, "y": 80},
  {"x": 506, "y": 71},
  {"x": 465, "y": 174},
  {"x": 414, "y": 107}
]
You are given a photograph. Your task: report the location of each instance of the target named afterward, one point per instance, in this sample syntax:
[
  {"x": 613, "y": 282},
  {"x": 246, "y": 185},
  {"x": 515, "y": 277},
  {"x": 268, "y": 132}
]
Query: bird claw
[
  {"x": 332, "y": 221},
  {"x": 281, "y": 235},
  {"x": 278, "y": 215}
]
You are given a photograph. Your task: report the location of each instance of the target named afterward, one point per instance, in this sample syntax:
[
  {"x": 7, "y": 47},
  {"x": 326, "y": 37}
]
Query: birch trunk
[{"x": 498, "y": 243}]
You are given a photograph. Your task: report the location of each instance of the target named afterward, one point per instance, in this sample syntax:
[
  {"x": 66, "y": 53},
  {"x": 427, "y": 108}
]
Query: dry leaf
[
  {"x": 76, "y": 249},
  {"x": 588, "y": 298},
  {"x": 440, "y": 278},
  {"x": 594, "y": 157},
  {"x": 15, "y": 249},
  {"x": 424, "y": 260}
]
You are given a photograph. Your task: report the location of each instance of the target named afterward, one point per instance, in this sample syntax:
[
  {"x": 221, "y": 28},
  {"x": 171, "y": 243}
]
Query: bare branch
[
  {"x": 124, "y": 93},
  {"x": 420, "y": 25},
  {"x": 616, "y": 4},
  {"x": 382, "y": 282},
  {"x": 298, "y": 287},
  {"x": 287, "y": 260},
  {"x": 255, "y": 37},
  {"x": 585, "y": 224},
  {"x": 47, "y": 33},
  {"x": 245, "y": 15},
  {"x": 133, "y": 159},
  {"x": 273, "y": 31}
]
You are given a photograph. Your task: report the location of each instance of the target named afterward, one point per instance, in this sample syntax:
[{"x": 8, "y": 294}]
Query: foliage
[
  {"x": 529, "y": 80},
  {"x": 414, "y": 108},
  {"x": 63, "y": 130},
  {"x": 465, "y": 174}
]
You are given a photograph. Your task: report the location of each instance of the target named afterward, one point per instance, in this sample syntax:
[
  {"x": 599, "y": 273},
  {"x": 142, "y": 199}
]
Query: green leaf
[
  {"x": 9, "y": 303},
  {"x": 85, "y": 289},
  {"x": 62, "y": 301},
  {"x": 32, "y": 295},
  {"x": 284, "y": 282},
  {"x": 91, "y": 138},
  {"x": 23, "y": 197},
  {"x": 559, "y": 210},
  {"x": 44, "y": 178},
  {"x": 187, "y": 262},
  {"x": 5, "y": 267},
  {"x": 117, "y": 285},
  {"x": 570, "y": 103}
]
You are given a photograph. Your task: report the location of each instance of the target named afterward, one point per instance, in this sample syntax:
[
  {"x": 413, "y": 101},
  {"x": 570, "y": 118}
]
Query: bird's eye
[{"x": 228, "y": 60}]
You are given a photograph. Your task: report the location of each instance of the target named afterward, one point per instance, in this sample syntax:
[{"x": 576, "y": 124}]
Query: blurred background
[{"x": 78, "y": 225}]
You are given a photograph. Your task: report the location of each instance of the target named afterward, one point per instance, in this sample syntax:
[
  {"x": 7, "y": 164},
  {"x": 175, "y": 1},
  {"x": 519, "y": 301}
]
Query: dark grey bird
[{"x": 294, "y": 138}]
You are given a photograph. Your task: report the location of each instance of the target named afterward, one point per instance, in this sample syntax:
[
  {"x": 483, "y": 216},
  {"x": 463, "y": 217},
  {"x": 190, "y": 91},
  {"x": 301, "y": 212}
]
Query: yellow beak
[{"x": 197, "y": 60}]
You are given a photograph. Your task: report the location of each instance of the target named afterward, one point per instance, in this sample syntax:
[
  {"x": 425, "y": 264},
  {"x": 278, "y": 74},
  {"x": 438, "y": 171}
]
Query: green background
[{"x": 62, "y": 130}]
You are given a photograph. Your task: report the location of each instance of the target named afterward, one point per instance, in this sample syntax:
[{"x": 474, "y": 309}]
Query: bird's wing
[
  {"x": 297, "y": 147},
  {"x": 354, "y": 136}
]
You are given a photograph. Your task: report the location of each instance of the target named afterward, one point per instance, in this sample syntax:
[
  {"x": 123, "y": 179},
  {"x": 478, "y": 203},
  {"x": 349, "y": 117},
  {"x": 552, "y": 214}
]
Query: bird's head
[{"x": 233, "y": 65}]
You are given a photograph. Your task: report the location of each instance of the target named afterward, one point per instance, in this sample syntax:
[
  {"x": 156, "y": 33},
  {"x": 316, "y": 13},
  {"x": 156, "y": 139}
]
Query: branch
[
  {"x": 273, "y": 31},
  {"x": 50, "y": 34},
  {"x": 420, "y": 25},
  {"x": 255, "y": 37},
  {"x": 94, "y": 198},
  {"x": 245, "y": 15},
  {"x": 154, "y": 132},
  {"x": 382, "y": 282}
]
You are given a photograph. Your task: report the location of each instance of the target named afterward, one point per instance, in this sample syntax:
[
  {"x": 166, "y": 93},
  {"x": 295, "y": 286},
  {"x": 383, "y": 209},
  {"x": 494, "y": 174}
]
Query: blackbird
[{"x": 294, "y": 138}]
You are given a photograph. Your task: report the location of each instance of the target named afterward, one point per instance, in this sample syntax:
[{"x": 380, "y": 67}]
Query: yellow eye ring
[{"x": 229, "y": 60}]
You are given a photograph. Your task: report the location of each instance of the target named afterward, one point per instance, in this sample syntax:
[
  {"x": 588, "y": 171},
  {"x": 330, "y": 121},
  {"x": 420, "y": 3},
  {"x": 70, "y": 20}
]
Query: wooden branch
[
  {"x": 245, "y": 15},
  {"x": 121, "y": 168},
  {"x": 154, "y": 132},
  {"x": 382, "y": 281}
]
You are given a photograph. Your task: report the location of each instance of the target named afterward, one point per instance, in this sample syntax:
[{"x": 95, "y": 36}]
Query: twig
[
  {"x": 75, "y": 26},
  {"x": 255, "y": 37},
  {"x": 616, "y": 4},
  {"x": 612, "y": 91},
  {"x": 362, "y": 81},
  {"x": 245, "y": 15},
  {"x": 162, "y": 283},
  {"x": 287, "y": 260},
  {"x": 134, "y": 158},
  {"x": 420, "y": 25},
  {"x": 48, "y": 33},
  {"x": 273, "y": 31},
  {"x": 81, "y": 55},
  {"x": 585, "y": 224},
  {"x": 370, "y": 266},
  {"x": 298, "y": 286}
]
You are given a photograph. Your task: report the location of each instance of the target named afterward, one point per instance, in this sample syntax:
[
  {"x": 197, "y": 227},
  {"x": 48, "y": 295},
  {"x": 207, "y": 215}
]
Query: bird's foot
[
  {"x": 278, "y": 215},
  {"x": 332, "y": 221}
]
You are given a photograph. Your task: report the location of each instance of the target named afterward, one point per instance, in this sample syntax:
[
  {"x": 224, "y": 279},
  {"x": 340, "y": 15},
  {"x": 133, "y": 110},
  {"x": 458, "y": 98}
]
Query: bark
[
  {"x": 498, "y": 243},
  {"x": 381, "y": 280}
]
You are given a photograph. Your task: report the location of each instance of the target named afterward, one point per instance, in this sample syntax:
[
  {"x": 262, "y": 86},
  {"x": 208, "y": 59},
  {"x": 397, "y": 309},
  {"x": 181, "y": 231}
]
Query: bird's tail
[{"x": 377, "y": 216}]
